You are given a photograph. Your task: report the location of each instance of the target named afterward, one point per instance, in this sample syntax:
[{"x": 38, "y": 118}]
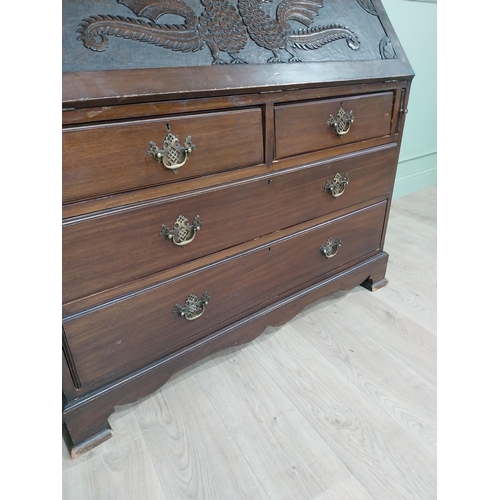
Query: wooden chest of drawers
[{"x": 203, "y": 201}]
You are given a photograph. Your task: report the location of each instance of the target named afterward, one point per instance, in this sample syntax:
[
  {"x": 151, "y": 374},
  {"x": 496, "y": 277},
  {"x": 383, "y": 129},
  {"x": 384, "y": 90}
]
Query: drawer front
[
  {"x": 302, "y": 127},
  {"x": 108, "y": 159},
  {"x": 142, "y": 327},
  {"x": 114, "y": 249}
]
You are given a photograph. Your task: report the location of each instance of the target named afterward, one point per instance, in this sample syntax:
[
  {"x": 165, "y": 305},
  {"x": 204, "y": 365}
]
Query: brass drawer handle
[
  {"x": 193, "y": 308},
  {"x": 331, "y": 248},
  {"x": 337, "y": 187},
  {"x": 182, "y": 232},
  {"x": 173, "y": 155},
  {"x": 341, "y": 124}
]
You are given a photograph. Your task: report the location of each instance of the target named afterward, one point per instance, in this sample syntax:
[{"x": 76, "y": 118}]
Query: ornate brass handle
[
  {"x": 182, "y": 232},
  {"x": 331, "y": 248},
  {"x": 193, "y": 308},
  {"x": 341, "y": 124},
  {"x": 337, "y": 187},
  {"x": 173, "y": 155}
]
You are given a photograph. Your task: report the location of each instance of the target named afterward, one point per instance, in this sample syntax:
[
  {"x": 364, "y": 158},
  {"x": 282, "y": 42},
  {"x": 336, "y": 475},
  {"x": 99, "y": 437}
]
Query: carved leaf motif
[
  {"x": 93, "y": 33},
  {"x": 222, "y": 27},
  {"x": 304, "y": 12},
  {"x": 386, "y": 49},
  {"x": 318, "y": 36}
]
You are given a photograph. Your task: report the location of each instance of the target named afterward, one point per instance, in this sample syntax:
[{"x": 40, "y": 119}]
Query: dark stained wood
[
  {"x": 86, "y": 416},
  {"x": 263, "y": 154},
  {"x": 396, "y": 110},
  {"x": 143, "y": 325},
  {"x": 69, "y": 384},
  {"x": 98, "y": 299},
  {"x": 102, "y": 252},
  {"x": 106, "y": 159},
  {"x": 302, "y": 127},
  {"x": 87, "y": 115},
  {"x": 231, "y": 31},
  {"x": 86, "y": 444},
  {"x": 269, "y": 132},
  {"x": 372, "y": 285},
  {"x": 86, "y": 425},
  {"x": 99, "y": 206},
  {"x": 106, "y": 88}
]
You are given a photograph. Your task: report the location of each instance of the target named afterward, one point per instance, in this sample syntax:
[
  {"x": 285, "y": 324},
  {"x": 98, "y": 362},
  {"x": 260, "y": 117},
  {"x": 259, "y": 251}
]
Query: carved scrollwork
[
  {"x": 386, "y": 49},
  {"x": 222, "y": 27}
]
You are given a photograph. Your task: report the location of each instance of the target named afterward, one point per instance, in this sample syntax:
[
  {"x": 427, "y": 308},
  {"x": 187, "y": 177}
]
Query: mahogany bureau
[{"x": 225, "y": 163}]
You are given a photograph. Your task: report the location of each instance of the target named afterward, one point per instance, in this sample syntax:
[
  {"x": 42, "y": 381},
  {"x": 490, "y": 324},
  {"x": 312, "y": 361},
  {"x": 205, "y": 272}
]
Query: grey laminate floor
[{"x": 340, "y": 403}]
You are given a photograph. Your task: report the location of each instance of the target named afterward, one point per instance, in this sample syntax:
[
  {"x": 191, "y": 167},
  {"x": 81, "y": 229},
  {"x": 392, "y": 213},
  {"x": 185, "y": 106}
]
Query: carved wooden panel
[{"x": 121, "y": 34}]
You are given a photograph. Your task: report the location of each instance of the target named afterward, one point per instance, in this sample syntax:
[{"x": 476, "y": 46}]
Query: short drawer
[
  {"x": 143, "y": 326},
  {"x": 303, "y": 128},
  {"x": 107, "y": 159},
  {"x": 107, "y": 251}
]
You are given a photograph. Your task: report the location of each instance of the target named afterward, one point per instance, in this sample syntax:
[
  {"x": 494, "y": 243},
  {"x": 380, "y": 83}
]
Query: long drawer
[
  {"x": 143, "y": 326},
  {"x": 106, "y": 159},
  {"x": 106, "y": 251},
  {"x": 303, "y": 127}
]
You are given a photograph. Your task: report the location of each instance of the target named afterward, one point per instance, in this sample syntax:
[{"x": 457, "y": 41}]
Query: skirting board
[{"x": 414, "y": 173}]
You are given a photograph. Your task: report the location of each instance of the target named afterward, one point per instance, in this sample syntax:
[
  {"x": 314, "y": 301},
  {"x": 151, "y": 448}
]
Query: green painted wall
[{"x": 415, "y": 24}]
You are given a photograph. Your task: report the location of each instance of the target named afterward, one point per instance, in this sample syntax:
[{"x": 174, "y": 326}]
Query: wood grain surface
[
  {"x": 108, "y": 250},
  {"x": 338, "y": 404}
]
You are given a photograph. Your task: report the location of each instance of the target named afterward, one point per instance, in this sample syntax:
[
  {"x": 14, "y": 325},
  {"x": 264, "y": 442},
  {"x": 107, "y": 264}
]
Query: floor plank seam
[
  {"x": 386, "y": 432},
  {"x": 228, "y": 430},
  {"x": 395, "y": 355},
  {"x": 370, "y": 399},
  {"x": 153, "y": 462}
]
